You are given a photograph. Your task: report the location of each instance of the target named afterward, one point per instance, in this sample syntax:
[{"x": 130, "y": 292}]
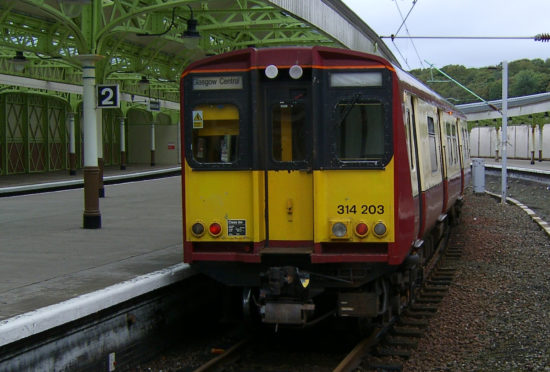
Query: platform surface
[
  {"x": 47, "y": 257},
  {"x": 543, "y": 166}
]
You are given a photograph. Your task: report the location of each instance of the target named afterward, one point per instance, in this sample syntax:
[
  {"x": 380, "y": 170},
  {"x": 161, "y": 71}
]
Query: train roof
[
  {"x": 409, "y": 82},
  {"x": 241, "y": 59}
]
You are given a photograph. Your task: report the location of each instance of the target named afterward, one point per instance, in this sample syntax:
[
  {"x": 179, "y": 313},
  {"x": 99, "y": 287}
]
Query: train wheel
[{"x": 250, "y": 310}]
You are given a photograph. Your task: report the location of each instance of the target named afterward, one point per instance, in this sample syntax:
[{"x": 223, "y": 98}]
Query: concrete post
[
  {"x": 72, "y": 145},
  {"x": 122, "y": 145},
  {"x": 540, "y": 142},
  {"x": 92, "y": 216},
  {"x": 532, "y": 144},
  {"x": 153, "y": 144},
  {"x": 100, "y": 160}
]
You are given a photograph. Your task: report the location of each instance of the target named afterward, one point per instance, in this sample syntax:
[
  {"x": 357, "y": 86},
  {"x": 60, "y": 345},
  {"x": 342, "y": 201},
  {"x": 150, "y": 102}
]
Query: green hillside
[{"x": 525, "y": 77}]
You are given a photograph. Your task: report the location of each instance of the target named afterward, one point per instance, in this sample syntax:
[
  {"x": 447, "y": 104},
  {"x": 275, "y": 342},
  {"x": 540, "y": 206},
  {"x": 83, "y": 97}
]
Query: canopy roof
[{"x": 156, "y": 39}]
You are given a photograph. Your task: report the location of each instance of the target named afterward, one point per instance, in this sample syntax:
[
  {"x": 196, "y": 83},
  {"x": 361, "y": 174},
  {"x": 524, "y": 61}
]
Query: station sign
[
  {"x": 108, "y": 96},
  {"x": 154, "y": 105}
]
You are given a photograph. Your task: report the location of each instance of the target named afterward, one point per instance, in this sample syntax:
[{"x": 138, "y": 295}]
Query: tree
[
  {"x": 527, "y": 82},
  {"x": 525, "y": 76}
]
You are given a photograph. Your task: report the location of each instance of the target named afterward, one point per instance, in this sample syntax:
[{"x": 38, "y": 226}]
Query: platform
[
  {"x": 519, "y": 164},
  {"x": 47, "y": 257}
]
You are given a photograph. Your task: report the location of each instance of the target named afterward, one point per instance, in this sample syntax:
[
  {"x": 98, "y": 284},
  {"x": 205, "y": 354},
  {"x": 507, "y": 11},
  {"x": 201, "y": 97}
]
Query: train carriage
[{"x": 317, "y": 179}]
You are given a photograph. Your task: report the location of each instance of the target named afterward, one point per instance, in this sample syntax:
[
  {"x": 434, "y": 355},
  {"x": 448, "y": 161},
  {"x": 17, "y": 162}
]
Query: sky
[{"x": 509, "y": 18}]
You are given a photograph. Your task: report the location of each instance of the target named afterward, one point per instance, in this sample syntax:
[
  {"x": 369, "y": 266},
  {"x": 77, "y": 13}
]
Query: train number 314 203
[{"x": 361, "y": 209}]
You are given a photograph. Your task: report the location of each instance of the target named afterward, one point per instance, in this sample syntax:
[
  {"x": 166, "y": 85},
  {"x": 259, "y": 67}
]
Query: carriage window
[
  {"x": 288, "y": 137},
  {"x": 361, "y": 130},
  {"x": 433, "y": 145},
  {"x": 409, "y": 138},
  {"x": 455, "y": 143},
  {"x": 215, "y": 133},
  {"x": 450, "y": 148}
]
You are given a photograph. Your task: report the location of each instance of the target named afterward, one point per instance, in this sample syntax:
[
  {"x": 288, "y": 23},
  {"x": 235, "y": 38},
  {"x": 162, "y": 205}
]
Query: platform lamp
[
  {"x": 72, "y": 8},
  {"x": 19, "y": 61},
  {"x": 143, "y": 83},
  {"x": 191, "y": 34}
]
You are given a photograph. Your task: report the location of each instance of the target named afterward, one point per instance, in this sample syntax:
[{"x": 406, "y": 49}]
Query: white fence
[{"x": 522, "y": 140}]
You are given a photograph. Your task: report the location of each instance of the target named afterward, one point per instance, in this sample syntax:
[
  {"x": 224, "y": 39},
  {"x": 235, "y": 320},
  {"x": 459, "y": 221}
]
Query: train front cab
[{"x": 291, "y": 162}]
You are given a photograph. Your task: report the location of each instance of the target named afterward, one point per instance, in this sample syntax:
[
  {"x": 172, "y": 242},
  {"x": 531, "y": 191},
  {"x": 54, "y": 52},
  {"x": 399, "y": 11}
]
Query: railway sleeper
[
  {"x": 408, "y": 332},
  {"x": 433, "y": 298},
  {"x": 442, "y": 276},
  {"x": 385, "y": 367},
  {"x": 426, "y": 300},
  {"x": 421, "y": 307},
  {"x": 436, "y": 288},
  {"x": 406, "y": 342},
  {"x": 384, "y": 351},
  {"x": 453, "y": 253},
  {"x": 440, "y": 282},
  {"x": 419, "y": 314},
  {"x": 447, "y": 269},
  {"x": 434, "y": 292},
  {"x": 407, "y": 322}
]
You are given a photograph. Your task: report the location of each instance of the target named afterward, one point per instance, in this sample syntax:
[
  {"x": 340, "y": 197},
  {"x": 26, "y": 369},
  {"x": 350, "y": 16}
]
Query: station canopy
[{"x": 138, "y": 40}]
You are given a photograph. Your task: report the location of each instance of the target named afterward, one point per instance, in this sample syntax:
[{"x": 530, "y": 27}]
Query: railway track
[
  {"x": 402, "y": 336},
  {"x": 384, "y": 349}
]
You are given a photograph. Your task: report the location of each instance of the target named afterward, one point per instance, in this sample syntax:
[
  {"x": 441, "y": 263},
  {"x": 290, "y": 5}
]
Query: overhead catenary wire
[
  {"x": 407, "y": 16},
  {"x": 404, "y": 19},
  {"x": 540, "y": 37}
]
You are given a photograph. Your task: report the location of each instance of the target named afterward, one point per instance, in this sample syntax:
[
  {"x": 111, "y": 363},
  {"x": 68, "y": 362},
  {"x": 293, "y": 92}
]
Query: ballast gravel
[{"x": 496, "y": 315}]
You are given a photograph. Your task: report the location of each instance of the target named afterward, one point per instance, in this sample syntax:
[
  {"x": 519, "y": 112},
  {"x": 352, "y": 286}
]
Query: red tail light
[
  {"x": 215, "y": 229},
  {"x": 361, "y": 229}
]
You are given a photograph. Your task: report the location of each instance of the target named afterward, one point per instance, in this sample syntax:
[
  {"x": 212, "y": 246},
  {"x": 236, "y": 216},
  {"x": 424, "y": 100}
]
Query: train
[{"x": 317, "y": 182}]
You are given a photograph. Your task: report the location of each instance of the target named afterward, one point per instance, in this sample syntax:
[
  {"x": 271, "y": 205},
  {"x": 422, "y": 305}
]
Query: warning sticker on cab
[
  {"x": 236, "y": 227},
  {"x": 198, "y": 119}
]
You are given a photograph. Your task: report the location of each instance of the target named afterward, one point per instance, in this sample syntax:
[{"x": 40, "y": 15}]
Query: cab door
[{"x": 288, "y": 169}]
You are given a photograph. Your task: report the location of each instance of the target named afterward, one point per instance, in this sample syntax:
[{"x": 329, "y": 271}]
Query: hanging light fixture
[
  {"x": 191, "y": 33},
  {"x": 143, "y": 83},
  {"x": 19, "y": 61}
]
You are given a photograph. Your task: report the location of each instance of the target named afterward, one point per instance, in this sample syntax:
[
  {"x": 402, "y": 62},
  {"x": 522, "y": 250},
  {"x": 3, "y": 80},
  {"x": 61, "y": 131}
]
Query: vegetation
[{"x": 525, "y": 77}]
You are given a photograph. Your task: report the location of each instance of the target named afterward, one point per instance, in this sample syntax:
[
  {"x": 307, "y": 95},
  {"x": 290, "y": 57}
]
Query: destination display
[{"x": 217, "y": 82}]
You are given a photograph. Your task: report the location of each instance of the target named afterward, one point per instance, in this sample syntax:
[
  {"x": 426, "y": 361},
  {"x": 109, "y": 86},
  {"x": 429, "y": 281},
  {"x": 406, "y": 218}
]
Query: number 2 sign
[{"x": 108, "y": 96}]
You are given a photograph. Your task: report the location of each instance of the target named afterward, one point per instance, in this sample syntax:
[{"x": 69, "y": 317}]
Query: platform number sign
[{"x": 108, "y": 96}]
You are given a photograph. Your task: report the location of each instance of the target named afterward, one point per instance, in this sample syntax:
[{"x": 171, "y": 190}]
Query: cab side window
[
  {"x": 215, "y": 133},
  {"x": 361, "y": 131}
]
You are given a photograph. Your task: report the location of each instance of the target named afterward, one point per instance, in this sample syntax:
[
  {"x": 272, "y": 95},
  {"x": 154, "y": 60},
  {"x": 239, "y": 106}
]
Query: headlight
[
  {"x": 339, "y": 230},
  {"x": 197, "y": 229},
  {"x": 380, "y": 229}
]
